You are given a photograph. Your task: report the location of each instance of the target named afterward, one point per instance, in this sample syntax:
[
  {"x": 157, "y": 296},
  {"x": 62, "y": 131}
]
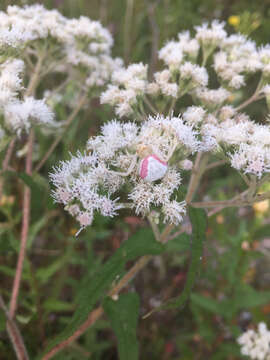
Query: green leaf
[
  {"x": 198, "y": 220},
  {"x": 180, "y": 243},
  {"x": 92, "y": 291},
  {"x": 123, "y": 314},
  {"x": 44, "y": 274},
  {"x": 262, "y": 231},
  {"x": 209, "y": 304},
  {"x": 38, "y": 189},
  {"x": 34, "y": 230},
  {"x": 52, "y": 305},
  {"x": 247, "y": 297}
]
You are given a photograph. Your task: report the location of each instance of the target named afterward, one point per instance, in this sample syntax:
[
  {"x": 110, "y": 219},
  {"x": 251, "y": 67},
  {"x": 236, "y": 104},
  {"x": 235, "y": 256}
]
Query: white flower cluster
[
  {"x": 131, "y": 155},
  {"x": 235, "y": 58},
  {"x": 79, "y": 47},
  {"x": 243, "y": 142},
  {"x": 256, "y": 344},
  {"x": 210, "y": 36},
  {"x": 74, "y": 41},
  {"x": 127, "y": 85},
  {"x": 143, "y": 157},
  {"x": 18, "y": 115}
]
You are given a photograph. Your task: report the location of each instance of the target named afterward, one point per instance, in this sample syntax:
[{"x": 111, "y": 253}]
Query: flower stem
[
  {"x": 6, "y": 161},
  {"x": 24, "y": 231},
  {"x": 80, "y": 104},
  {"x": 197, "y": 171},
  {"x": 14, "y": 334}
]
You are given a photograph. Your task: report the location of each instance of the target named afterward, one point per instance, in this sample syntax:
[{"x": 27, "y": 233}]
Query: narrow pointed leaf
[
  {"x": 198, "y": 220},
  {"x": 123, "y": 315}
]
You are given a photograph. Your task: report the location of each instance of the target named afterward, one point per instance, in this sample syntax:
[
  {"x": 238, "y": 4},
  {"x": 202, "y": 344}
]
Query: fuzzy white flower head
[
  {"x": 256, "y": 344},
  {"x": 10, "y": 80},
  {"x": 212, "y": 98},
  {"x": 163, "y": 81},
  {"x": 198, "y": 75},
  {"x": 190, "y": 47},
  {"x": 171, "y": 54},
  {"x": 211, "y": 35},
  {"x": 77, "y": 42},
  {"x": 186, "y": 164},
  {"x": 20, "y": 115},
  {"x": 127, "y": 85},
  {"x": 194, "y": 115},
  {"x": 125, "y": 153}
]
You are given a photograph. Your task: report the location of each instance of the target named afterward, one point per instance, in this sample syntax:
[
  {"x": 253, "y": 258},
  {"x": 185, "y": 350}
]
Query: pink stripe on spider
[
  {"x": 152, "y": 168},
  {"x": 144, "y": 167}
]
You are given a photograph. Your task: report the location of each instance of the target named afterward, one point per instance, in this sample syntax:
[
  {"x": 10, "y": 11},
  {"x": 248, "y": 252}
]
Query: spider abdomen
[{"x": 152, "y": 168}]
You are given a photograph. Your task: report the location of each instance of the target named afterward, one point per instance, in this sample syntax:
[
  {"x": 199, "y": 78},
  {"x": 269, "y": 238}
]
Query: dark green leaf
[
  {"x": 123, "y": 315},
  {"x": 92, "y": 291},
  {"x": 198, "y": 220},
  {"x": 180, "y": 243},
  {"x": 209, "y": 304}
]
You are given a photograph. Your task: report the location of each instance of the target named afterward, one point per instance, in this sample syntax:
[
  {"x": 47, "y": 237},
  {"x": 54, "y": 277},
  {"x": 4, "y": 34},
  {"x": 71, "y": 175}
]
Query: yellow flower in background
[
  {"x": 234, "y": 20},
  {"x": 261, "y": 206},
  {"x": 7, "y": 200},
  {"x": 73, "y": 231}
]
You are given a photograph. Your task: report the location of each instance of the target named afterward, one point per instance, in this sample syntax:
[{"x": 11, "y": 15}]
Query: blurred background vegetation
[{"x": 233, "y": 291}]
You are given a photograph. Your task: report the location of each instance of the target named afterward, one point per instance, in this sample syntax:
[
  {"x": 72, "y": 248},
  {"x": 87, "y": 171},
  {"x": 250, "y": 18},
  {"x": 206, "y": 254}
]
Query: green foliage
[
  {"x": 91, "y": 291},
  {"x": 198, "y": 220},
  {"x": 123, "y": 314},
  {"x": 231, "y": 279}
]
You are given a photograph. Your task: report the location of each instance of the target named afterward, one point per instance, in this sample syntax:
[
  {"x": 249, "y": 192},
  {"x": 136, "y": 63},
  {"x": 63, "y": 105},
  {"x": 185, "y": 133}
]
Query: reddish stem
[
  {"x": 24, "y": 231},
  {"x": 6, "y": 161}
]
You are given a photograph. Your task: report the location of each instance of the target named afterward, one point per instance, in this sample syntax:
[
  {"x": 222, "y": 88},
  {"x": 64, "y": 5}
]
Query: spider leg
[{"x": 129, "y": 170}]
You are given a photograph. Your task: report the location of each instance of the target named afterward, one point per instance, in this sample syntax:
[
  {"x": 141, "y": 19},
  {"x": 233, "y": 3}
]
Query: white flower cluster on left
[
  {"x": 47, "y": 42},
  {"x": 20, "y": 114}
]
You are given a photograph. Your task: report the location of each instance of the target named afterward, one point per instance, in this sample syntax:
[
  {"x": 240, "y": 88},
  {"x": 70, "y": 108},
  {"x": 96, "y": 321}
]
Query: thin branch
[
  {"x": 127, "y": 29},
  {"x": 150, "y": 105},
  {"x": 151, "y": 8},
  {"x": 236, "y": 201},
  {"x": 225, "y": 203},
  {"x": 197, "y": 171},
  {"x": 171, "y": 108},
  {"x": 74, "y": 113},
  {"x": 249, "y": 101},
  {"x": 25, "y": 229},
  {"x": 103, "y": 11},
  {"x": 35, "y": 77},
  {"x": 6, "y": 162},
  {"x": 215, "y": 164},
  {"x": 14, "y": 334},
  {"x": 253, "y": 98},
  {"x": 154, "y": 227},
  {"x": 59, "y": 87}
]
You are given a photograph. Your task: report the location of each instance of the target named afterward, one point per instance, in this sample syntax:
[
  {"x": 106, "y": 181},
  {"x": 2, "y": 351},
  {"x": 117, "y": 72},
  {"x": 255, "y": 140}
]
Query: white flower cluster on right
[
  {"x": 136, "y": 164},
  {"x": 224, "y": 128},
  {"x": 256, "y": 344}
]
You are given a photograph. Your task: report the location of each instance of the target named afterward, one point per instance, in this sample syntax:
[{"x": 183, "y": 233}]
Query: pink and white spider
[{"x": 152, "y": 165}]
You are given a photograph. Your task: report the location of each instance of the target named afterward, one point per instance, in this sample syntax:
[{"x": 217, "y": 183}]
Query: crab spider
[{"x": 152, "y": 165}]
